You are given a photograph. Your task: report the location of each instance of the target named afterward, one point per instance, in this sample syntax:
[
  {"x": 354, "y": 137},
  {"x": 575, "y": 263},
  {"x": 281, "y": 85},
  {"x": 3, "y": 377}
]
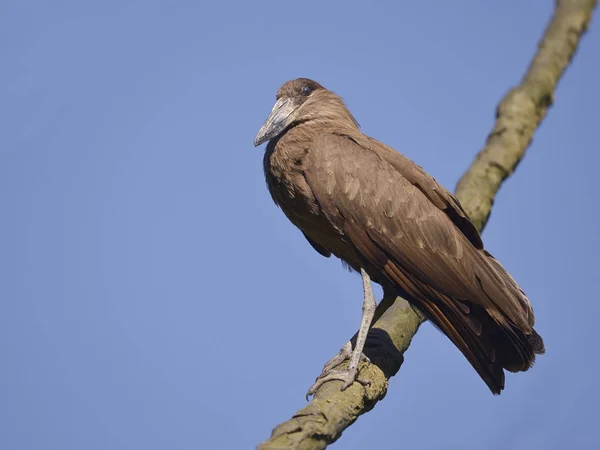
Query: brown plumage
[{"x": 372, "y": 207}]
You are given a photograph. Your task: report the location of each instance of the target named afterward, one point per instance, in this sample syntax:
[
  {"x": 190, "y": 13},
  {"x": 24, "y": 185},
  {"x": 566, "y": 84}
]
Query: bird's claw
[
  {"x": 347, "y": 376},
  {"x": 343, "y": 355}
]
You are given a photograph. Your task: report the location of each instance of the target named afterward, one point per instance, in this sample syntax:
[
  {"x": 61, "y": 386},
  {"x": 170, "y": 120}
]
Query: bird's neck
[{"x": 333, "y": 113}]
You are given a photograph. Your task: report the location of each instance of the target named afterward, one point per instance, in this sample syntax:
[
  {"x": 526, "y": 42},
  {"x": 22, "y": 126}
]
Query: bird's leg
[
  {"x": 350, "y": 374},
  {"x": 368, "y": 310},
  {"x": 389, "y": 297}
]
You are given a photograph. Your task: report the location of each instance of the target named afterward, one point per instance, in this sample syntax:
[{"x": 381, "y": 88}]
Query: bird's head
[{"x": 301, "y": 100}]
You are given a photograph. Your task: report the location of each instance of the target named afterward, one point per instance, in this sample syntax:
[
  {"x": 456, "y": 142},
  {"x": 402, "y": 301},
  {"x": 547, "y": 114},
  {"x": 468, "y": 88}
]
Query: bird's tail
[
  {"x": 491, "y": 343},
  {"x": 536, "y": 341}
]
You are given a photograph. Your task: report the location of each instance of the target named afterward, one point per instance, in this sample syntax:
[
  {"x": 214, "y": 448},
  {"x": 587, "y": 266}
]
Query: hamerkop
[{"x": 390, "y": 221}]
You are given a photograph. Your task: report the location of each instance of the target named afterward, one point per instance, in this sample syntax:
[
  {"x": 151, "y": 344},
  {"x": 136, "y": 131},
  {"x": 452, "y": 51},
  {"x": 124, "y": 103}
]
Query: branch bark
[{"x": 518, "y": 115}]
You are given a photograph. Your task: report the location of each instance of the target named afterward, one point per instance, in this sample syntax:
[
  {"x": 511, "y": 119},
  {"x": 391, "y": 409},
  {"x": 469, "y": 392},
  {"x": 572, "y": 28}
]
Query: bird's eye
[{"x": 306, "y": 90}]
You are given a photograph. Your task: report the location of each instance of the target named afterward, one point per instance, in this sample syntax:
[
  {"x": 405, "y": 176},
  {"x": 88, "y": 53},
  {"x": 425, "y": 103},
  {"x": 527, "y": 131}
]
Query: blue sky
[{"x": 153, "y": 296}]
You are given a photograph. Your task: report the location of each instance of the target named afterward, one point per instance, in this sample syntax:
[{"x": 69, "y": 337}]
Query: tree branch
[{"x": 518, "y": 115}]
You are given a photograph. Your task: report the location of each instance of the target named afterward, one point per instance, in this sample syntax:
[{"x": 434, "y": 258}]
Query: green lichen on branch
[{"x": 518, "y": 115}]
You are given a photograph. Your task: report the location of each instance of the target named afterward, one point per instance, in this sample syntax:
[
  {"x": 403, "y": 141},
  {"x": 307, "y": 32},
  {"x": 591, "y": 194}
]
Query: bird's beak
[{"x": 281, "y": 116}]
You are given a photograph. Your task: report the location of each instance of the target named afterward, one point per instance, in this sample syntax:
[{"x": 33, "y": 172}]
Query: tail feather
[
  {"x": 490, "y": 346},
  {"x": 537, "y": 343}
]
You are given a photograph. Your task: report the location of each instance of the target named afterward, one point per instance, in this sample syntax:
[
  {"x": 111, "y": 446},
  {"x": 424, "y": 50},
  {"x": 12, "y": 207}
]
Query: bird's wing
[
  {"x": 410, "y": 238},
  {"x": 358, "y": 187},
  {"x": 436, "y": 193}
]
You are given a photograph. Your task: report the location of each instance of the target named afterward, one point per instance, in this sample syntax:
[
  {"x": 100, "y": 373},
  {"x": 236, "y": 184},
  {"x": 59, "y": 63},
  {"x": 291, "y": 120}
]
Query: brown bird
[{"x": 386, "y": 218}]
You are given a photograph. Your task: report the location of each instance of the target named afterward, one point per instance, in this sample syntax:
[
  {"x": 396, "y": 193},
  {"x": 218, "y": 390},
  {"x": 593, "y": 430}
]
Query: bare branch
[{"x": 518, "y": 115}]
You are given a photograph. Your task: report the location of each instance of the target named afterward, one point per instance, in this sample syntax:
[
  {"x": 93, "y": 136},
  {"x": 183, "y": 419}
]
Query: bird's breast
[{"x": 284, "y": 173}]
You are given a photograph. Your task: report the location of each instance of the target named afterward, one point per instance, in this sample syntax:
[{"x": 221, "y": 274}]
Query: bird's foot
[
  {"x": 343, "y": 355},
  {"x": 347, "y": 376}
]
